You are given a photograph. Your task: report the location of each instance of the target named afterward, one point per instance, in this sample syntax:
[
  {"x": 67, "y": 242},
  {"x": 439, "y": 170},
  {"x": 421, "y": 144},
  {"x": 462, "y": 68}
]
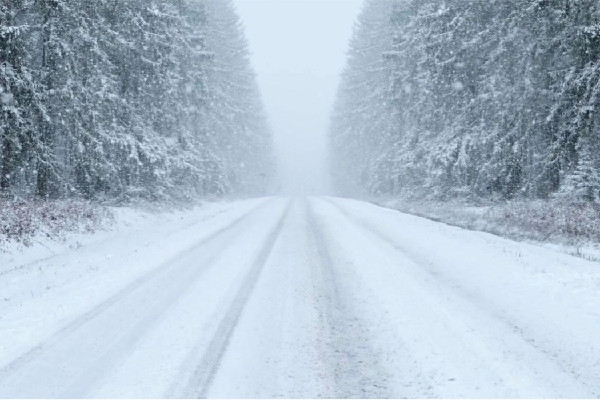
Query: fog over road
[{"x": 297, "y": 297}]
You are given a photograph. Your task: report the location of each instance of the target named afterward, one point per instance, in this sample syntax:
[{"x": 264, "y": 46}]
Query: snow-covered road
[{"x": 315, "y": 297}]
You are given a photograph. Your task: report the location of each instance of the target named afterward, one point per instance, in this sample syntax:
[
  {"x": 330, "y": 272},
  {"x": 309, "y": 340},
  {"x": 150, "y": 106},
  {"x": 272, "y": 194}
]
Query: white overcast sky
[{"x": 298, "y": 51}]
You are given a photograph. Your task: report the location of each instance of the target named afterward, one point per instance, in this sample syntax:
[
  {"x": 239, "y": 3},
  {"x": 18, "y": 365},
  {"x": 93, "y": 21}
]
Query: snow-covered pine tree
[
  {"x": 191, "y": 103},
  {"x": 121, "y": 98},
  {"x": 583, "y": 183},
  {"x": 95, "y": 130},
  {"x": 238, "y": 121},
  {"x": 576, "y": 115},
  {"x": 482, "y": 100},
  {"x": 15, "y": 91},
  {"x": 361, "y": 116},
  {"x": 62, "y": 30}
]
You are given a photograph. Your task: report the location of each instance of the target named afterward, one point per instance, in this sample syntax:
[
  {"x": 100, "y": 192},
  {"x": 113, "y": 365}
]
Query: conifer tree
[
  {"x": 115, "y": 99},
  {"x": 481, "y": 100}
]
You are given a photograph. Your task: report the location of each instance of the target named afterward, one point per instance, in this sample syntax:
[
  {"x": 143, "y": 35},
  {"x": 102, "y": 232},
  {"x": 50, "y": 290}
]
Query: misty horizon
[{"x": 298, "y": 72}]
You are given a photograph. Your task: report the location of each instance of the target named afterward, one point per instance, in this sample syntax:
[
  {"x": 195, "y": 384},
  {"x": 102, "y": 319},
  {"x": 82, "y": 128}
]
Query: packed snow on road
[{"x": 300, "y": 297}]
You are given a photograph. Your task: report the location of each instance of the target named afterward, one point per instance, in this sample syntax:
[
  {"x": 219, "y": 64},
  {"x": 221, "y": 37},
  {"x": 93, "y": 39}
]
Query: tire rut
[
  {"x": 72, "y": 327},
  {"x": 457, "y": 290},
  {"x": 356, "y": 366},
  {"x": 200, "y": 382}
]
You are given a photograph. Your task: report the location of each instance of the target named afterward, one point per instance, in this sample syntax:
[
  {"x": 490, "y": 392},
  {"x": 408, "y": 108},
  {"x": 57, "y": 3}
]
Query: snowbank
[
  {"x": 35, "y": 231},
  {"x": 573, "y": 228}
]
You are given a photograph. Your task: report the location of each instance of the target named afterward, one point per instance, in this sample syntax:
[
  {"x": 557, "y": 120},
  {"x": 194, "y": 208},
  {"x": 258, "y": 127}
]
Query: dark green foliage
[
  {"x": 113, "y": 99},
  {"x": 478, "y": 99}
]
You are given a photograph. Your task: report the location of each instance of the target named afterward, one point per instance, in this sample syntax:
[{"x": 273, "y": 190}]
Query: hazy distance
[{"x": 298, "y": 51}]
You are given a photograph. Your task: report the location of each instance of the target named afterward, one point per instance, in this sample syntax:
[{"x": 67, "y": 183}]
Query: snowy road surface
[{"x": 316, "y": 297}]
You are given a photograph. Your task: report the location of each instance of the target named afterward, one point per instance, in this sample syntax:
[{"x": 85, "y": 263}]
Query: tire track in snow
[
  {"x": 29, "y": 356},
  {"x": 210, "y": 362},
  {"x": 355, "y": 365},
  {"x": 484, "y": 306},
  {"x": 183, "y": 282}
]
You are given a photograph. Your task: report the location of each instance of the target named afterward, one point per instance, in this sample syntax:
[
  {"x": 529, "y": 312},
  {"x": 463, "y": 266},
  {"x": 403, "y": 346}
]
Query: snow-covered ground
[
  {"x": 317, "y": 297},
  {"x": 569, "y": 227}
]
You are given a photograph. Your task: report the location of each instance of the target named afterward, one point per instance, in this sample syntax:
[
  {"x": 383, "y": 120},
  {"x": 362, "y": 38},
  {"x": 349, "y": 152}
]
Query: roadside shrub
[
  {"x": 554, "y": 221},
  {"x": 546, "y": 220},
  {"x": 23, "y": 221}
]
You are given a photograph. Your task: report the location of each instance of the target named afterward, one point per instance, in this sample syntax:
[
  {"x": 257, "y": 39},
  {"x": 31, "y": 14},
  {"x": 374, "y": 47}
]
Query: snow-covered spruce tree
[
  {"x": 146, "y": 36},
  {"x": 576, "y": 116},
  {"x": 482, "y": 99},
  {"x": 361, "y": 116},
  {"x": 200, "y": 167},
  {"x": 583, "y": 183},
  {"x": 15, "y": 96},
  {"x": 116, "y": 99},
  {"x": 238, "y": 123},
  {"x": 95, "y": 129},
  {"x": 55, "y": 76},
  {"x": 79, "y": 90},
  {"x": 179, "y": 79}
]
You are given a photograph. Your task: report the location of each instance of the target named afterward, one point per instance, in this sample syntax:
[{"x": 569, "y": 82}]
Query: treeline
[
  {"x": 114, "y": 99},
  {"x": 471, "y": 99}
]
